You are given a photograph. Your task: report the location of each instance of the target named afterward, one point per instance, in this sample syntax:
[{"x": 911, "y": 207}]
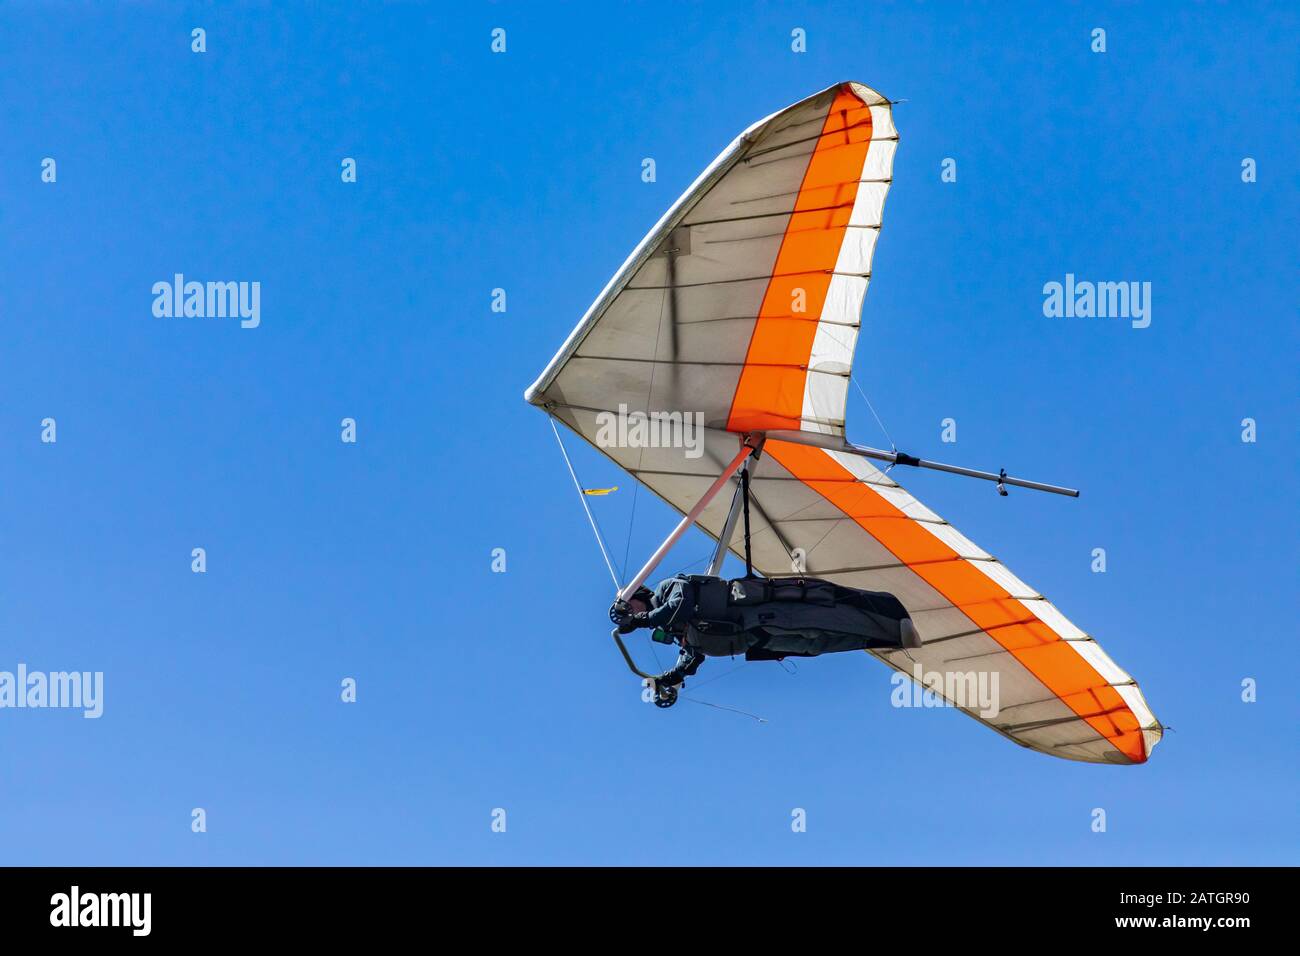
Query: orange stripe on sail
[
  {"x": 989, "y": 606},
  {"x": 770, "y": 392}
]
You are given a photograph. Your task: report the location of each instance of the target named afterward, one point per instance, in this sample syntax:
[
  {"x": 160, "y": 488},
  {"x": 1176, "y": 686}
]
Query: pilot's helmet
[{"x": 639, "y": 602}]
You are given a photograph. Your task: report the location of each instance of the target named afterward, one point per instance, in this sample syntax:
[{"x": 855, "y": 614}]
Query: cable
[
  {"x": 892, "y": 446},
  {"x": 716, "y": 677},
  {"x": 733, "y": 710},
  {"x": 631, "y": 522},
  {"x": 585, "y": 507},
  {"x": 640, "y": 456}
]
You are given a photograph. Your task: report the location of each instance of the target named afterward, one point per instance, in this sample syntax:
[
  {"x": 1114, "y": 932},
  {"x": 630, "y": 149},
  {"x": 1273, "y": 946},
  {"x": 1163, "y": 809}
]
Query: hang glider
[{"x": 742, "y": 307}]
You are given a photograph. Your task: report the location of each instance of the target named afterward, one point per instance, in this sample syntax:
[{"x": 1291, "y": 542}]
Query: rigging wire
[
  {"x": 732, "y": 710},
  {"x": 892, "y": 446},
  {"x": 727, "y": 673},
  {"x": 585, "y": 507},
  {"x": 640, "y": 457},
  {"x": 631, "y": 522}
]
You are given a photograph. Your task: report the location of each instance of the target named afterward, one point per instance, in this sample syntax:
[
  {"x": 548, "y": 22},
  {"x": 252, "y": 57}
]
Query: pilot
[
  {"x": 646, "y": 608},
  {"x": 660, "y": 608}
]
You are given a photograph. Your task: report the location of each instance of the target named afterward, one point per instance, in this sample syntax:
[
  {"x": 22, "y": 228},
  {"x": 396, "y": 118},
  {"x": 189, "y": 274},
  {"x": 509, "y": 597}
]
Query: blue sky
[{"x": 475, "y": 171}]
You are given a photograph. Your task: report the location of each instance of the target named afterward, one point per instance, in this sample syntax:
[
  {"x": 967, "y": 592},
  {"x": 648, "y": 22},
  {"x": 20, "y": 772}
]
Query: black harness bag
[{"x": 775, "y": 618}]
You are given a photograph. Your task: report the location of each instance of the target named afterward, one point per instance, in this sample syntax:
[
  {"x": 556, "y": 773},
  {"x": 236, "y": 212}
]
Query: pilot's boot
[{"x": 689, "y": 660}]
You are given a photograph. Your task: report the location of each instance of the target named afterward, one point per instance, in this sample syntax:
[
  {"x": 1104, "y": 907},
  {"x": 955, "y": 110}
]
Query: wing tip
[{"x": 866, "y": 94}]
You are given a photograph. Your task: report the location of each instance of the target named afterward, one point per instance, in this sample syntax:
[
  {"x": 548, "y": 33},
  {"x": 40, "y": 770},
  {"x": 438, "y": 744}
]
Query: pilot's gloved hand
[
  {"x": 633, "y": 621},
  {"x": 626, "y": 619}
]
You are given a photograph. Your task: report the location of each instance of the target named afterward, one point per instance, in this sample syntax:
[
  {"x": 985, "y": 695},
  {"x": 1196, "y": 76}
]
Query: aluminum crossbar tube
[
  {"x": 690, "y": 518},
  {"x": 728, "y": 532},
  {"x": 899, "y": 458}
]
